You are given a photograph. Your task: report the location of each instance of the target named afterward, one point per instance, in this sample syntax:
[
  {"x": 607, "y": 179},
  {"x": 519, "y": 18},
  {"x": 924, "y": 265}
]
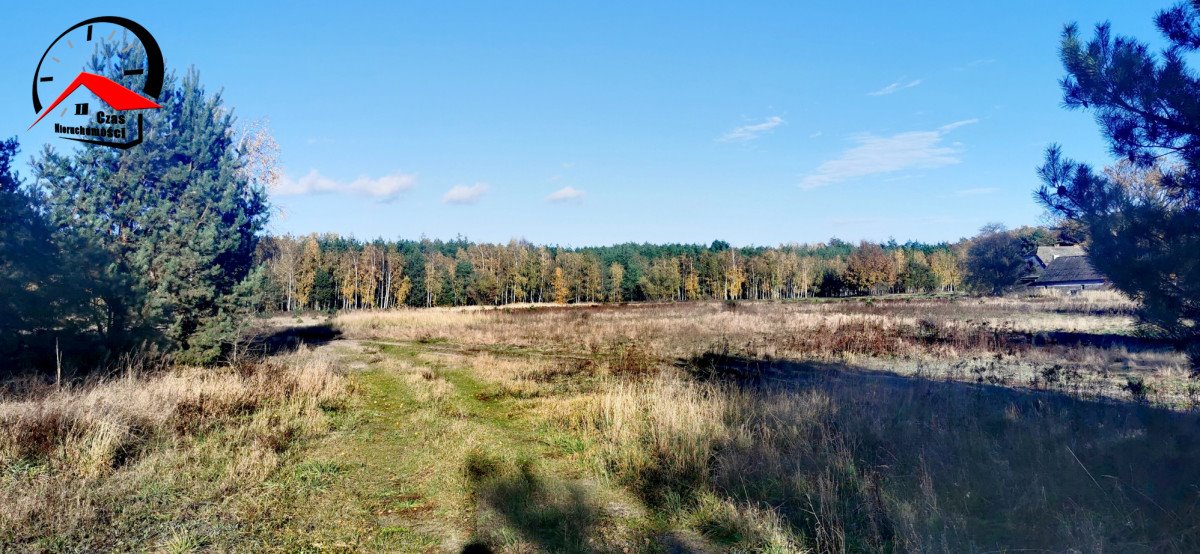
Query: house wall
[{"x": 1074, "y": 285}]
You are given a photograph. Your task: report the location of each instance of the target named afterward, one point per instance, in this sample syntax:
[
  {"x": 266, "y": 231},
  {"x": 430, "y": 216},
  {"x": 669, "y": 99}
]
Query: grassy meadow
[
  {"x": 1086, "y": 345},
  {"x": 178, "y": 460},
  {"x": 887, "y": 424}
]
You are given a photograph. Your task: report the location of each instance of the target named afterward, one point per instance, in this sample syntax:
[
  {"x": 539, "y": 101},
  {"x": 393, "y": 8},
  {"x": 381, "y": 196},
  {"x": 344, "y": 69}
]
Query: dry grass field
[
  {"x": 156, "y": 462},
  {"x": 1085, "y": 345},
  {"x": 893, "y": 424},
  {"x": 947, "y": 425}
]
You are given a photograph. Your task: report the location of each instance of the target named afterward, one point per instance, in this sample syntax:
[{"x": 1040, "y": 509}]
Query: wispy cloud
[
  {"x": 565, "y": 194},
  {"x": 566, "y": 167},
  {"x": 979, "y": 191},
  {"x": 463, "y": 194},
  {"x": 952, "y": 126},
  {"x": 976, "y": 63},
  {"x": 751, "y": 132},
  {"x": 876, "y": 155},
  {"x": 895, "y": 87},
  {"x": 384, "y": 188}
]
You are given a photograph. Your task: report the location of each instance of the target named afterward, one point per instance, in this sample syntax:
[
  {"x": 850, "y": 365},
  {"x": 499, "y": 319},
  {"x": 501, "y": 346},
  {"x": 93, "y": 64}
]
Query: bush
[{"x": 630, "y": 359}]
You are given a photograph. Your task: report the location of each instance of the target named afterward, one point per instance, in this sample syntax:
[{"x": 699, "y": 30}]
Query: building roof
[
  {"x": 1047, "y": 254},
  {"x": 1069, "y": 269},
  {"x": 112, "y": 93}
]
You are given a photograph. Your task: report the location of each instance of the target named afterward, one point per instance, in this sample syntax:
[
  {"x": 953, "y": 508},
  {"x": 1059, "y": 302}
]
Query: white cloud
[
  {"x": 564, "y": 194},
  {"x": 976, "y": 63},
  {"x": 382, "y": 188},
  {"x": 877, "y": 155},
  {"x": 751, "y": 132},
  {"x": 895, "y": 87},
  {"x": 462, "y": 194},
  {"x": 952, "y": 126}
]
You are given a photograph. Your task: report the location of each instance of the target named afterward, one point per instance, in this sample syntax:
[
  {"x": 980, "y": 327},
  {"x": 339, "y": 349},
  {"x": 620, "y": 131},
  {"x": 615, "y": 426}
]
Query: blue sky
[{"x": 600, "y": 123}]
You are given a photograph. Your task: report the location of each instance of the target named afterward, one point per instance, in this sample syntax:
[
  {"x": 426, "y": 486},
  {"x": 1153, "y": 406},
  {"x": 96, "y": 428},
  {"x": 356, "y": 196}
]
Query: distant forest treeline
[{"x": 332, "y": 272}]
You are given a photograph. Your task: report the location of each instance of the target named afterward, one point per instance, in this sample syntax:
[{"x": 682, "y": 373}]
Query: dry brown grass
[
  {"x": 1085, "y": 344},
  {"x": 871, "y": 430},
  {"x": 861, "y": 463},
  {"x": 76, "y": 460}
]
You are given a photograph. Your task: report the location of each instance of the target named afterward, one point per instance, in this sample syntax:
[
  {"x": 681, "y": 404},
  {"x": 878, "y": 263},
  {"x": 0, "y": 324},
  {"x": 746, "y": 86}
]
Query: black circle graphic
[{"x": 154, "y": 59}]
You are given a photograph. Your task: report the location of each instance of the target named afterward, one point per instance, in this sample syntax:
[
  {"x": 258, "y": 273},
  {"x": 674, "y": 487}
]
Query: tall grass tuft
[{"x": 66, "y": 454}]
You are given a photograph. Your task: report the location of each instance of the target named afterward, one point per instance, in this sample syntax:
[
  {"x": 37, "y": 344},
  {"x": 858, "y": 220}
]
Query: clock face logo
[{"x": 96, "y": 80}]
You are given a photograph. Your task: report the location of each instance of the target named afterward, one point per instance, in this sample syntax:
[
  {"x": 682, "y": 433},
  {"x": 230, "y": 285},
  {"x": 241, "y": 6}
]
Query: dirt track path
[{"x": 425, "y": 460}]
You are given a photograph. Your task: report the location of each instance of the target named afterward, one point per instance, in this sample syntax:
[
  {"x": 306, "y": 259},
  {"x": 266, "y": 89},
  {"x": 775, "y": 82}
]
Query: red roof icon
[{"x": 111, "y": 92}]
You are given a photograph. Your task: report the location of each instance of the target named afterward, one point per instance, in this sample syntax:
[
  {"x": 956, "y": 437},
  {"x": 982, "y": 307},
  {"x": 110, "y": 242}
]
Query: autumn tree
[
  {"x": 395, "y": 284},
  {"x": 593, "y": 274},
  {"x": 691, "y": 286},
  {"x": 946, "y": 271},
  {"x": 662, "y": 281},
  {"x": 306, "y": 275},
  {"x": 433, "y": 281},
  {"x": 616, "y": 279},
  {"x": 401, "y": 292},
  {"x": 369, "y": 264},
  {"x": 561, "y": 288},
  {"x": 870, "y": 268},
  {"x": 285, "y": 268},
  {"x": 351, "y": 274},
  {"x": 900, "y": 260},
  {"x": 734, "y": 276},
  {"x": 518, "y": 278},
  {"x": 804, "y": 275},
  {"x": 542, "y": 271}
]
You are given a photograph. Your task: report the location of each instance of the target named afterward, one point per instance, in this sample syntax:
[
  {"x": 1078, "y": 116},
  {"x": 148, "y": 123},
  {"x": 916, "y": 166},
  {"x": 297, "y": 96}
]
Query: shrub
[{"x": 630, "y": 359}]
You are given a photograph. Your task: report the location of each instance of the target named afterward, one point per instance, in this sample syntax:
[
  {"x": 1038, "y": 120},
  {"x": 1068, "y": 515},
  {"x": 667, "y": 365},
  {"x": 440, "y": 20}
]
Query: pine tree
[
  {"x": 31, "y": 275},
  {"x": 176, "y": 219},
  {"x": 1143, "y": 227}
]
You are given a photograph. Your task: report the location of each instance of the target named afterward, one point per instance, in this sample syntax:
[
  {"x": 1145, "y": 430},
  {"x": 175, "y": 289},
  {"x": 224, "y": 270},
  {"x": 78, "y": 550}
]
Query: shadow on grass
[
  {"x": 551, "y": 515},
  {"x": 1097, "y": 340},
  {"x": 280, "y": 341},
  {"x": 944, "y": 465}
]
